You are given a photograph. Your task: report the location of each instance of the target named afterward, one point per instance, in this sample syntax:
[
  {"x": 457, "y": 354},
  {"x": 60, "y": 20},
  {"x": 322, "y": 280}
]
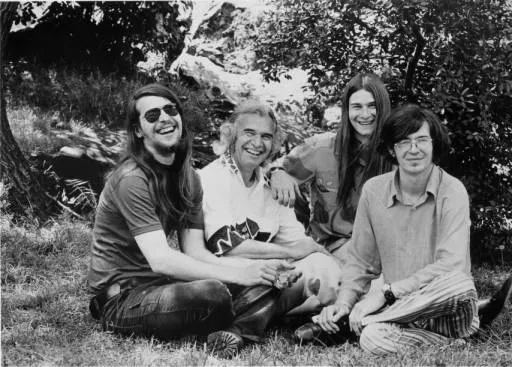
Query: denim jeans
[{"x": 167, "y": 310}]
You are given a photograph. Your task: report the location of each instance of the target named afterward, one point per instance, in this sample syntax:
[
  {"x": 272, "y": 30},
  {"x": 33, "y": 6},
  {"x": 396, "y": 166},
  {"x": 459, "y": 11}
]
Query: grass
[
  {"x": 35, "y": 134},
  {"x": 45, "y": 317},
  {"x": 31, "y": 130},
  {"x": 44, "y": 304}
]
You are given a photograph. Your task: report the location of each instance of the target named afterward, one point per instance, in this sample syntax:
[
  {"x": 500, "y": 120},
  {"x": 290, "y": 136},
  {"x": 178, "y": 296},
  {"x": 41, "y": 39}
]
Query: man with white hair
[{"x": 241, "y": 219}]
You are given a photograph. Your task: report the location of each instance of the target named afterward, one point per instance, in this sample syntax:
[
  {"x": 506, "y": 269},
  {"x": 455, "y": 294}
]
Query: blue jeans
[{"x": 166, "y": 310}]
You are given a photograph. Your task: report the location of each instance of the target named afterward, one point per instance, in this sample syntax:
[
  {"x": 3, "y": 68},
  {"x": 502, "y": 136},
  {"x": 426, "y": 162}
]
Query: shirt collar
[
  {"x": 432, "y": 185},
  {"x": 227, "y": 161}
]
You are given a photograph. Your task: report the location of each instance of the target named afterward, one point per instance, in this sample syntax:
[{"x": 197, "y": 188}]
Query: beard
[{"x": 165, "y": 150}]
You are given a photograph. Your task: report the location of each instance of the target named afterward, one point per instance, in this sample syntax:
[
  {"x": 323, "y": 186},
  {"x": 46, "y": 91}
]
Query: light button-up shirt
[{"x": 409, "y": 244}]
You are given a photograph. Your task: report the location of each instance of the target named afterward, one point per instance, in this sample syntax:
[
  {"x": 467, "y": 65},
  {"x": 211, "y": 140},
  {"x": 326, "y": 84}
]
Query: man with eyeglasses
[
  {"x": 141, "y": 285},
  {"x": 412, "y": 225}
]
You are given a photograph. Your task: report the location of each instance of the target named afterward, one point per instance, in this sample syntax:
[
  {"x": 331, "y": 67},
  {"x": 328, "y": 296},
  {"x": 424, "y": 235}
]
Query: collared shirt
[
  {"x": 234, "y": 212},
  {"x": 316, "y": 162},
  {"x": 409, "y": 244}
]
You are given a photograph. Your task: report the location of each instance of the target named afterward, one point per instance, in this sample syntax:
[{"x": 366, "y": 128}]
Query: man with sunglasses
[
  {"x": 412, "y": 225},
  {"x": 141, "y": 285}
]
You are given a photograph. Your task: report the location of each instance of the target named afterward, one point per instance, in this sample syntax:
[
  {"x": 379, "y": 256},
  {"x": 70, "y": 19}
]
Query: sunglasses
[{"x": 153, "y": 114}]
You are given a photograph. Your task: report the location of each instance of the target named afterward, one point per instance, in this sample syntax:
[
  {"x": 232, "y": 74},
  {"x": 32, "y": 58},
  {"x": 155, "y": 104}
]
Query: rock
[{"x": 72, "y": 152}]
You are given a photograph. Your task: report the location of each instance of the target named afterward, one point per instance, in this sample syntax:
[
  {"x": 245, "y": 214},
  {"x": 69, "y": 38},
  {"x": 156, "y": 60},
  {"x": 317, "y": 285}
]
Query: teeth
[
  {"x": 252, "y": 152},
  {"x": 167, "y": 130}
]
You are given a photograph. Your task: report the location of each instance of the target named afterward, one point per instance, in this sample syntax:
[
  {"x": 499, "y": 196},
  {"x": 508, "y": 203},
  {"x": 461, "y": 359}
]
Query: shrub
[
  {"x": 453, "y": 57},
  {"x": 96, "y": 99}
]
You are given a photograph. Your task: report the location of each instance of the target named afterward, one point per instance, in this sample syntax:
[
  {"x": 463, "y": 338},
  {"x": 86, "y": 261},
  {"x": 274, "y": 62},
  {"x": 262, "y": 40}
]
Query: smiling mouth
[
  {"x": 167, "y": 130},
  {"x": 254, "y": 153},
  {"x": 366, "y": 123}
]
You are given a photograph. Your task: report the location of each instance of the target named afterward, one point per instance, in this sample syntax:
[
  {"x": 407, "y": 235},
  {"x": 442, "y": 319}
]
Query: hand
[
  {"x": 370, "y": 304},
  {"x": 329, "y": 316},
  {"x": 284, "y": 188},
  {"x": 306, "y": 247},
  {"x": 286, "y": 273},
  {"x": 263, "y": 272}
]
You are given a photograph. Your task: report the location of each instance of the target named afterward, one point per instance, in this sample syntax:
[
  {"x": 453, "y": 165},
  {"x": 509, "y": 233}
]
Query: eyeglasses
[
  {"x": 153, "y": 114},
  {"x": 420, "y": 143}
]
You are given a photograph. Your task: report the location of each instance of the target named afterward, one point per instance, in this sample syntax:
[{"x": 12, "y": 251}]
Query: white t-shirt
[{"x": 234, "y": 212}]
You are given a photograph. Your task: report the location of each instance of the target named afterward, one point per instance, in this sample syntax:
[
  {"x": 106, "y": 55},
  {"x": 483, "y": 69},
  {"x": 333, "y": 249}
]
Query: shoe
[
  {"x": 312, "y": 332},
  {"x": 493, "y": 308},
  {"x": 224, "y": 344}
]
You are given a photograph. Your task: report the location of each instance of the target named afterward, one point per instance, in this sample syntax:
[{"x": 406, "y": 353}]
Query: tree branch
[{"x": 413, "y": 63}]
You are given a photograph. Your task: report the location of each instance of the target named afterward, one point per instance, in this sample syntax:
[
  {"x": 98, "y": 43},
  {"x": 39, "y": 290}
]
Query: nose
[
  {"x": 256, "y": 140},
  {"x": 366, "y": 111},
  {"x": 414, "y": 147},
  {"x": 164, "y": 116}
]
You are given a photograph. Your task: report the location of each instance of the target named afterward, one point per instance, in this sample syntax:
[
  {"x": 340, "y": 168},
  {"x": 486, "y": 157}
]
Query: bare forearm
[
  {"x": 253, "y": 249},
  {"x": 206, "y": 256},
  {"x": 180, "y": 266}
]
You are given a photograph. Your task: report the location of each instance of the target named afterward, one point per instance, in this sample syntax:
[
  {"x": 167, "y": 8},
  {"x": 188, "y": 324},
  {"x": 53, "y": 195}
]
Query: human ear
[{"x": 138, "y": 133}]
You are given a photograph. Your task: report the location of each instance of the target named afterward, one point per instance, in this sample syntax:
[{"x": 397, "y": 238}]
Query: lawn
[{"x": 45, "y": 318}]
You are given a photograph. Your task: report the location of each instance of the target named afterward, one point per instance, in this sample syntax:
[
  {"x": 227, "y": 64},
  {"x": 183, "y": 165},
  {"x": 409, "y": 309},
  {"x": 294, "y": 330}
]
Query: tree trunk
[{"x": 26, "y": 194}]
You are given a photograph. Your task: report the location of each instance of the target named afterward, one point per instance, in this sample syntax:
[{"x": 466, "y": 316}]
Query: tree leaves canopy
[
  {"x": 452, "y": 56},
  {"x": 112, "y": 35}
]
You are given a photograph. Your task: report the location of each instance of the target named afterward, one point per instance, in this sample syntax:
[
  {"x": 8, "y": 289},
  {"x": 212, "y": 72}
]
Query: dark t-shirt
[{"x": 127, "y": 208}]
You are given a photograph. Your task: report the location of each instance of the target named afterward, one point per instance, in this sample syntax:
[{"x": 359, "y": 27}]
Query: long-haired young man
[{"x": 141, "y": 285}]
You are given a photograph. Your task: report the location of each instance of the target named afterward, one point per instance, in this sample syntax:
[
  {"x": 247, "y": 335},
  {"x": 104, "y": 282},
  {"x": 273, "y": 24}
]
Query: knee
[
  {"x": 213, "y": 290},
  {"x": 456, "y": 283},
  {"x": 197, "y": 293},
  {"x": 318, "y": 264},
  {"x": 376, "y": 338},
  {"x": 322, "y": 277}
]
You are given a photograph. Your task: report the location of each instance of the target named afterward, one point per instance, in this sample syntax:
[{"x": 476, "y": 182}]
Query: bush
[
  {"x": 453, "y": 57},
  {"x": 96, "y": 99}
]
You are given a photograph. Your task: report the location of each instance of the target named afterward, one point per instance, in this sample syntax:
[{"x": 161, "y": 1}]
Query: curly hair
[{"x": 228, "y": 130}]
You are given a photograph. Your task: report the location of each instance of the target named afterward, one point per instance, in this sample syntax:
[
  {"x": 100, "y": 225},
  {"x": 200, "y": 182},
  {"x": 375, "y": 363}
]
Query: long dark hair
[
  {"x": 170, "y": 186},
  {"x": 348, "y": 150}
]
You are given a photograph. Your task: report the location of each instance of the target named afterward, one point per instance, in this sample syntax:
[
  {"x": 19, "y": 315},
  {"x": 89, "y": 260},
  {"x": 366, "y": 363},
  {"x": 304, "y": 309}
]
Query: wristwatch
[{"x": 388, "y": 294}]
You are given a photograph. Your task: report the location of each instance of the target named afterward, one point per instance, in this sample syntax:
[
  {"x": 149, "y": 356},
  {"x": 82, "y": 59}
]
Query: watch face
[{"x": 388, "y": 294}]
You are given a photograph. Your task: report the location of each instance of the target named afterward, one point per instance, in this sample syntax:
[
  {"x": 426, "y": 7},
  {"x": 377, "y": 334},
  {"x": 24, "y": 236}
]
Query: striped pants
[{"x": 444, "y": 309}]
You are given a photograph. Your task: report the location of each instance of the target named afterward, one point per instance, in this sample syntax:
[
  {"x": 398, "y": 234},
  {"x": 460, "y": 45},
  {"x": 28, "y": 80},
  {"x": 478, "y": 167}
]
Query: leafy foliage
[
  {"x": 452, "y": 56},
  {"x": 96, "y": 98},
  {"x": 111, "y": 36}
]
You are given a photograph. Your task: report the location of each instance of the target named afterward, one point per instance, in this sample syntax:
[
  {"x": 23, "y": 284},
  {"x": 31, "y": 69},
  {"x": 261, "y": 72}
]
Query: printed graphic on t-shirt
[{"x": 228, "y": 237}]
